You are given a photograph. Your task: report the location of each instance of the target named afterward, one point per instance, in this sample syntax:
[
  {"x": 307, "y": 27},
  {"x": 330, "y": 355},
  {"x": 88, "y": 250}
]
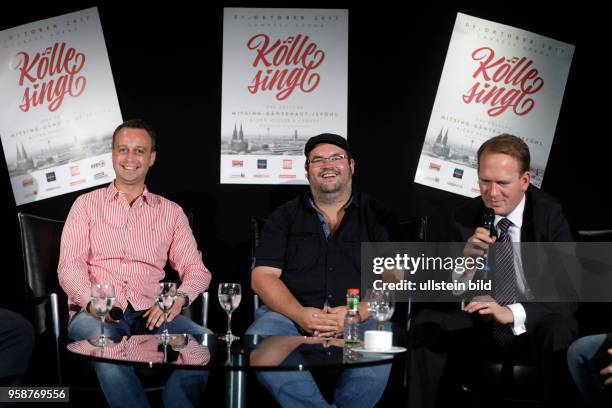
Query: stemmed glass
[
  {"x": 381, "y": 305},
  {"x": 229, "y": 298},
  {"x": 102, "y": 299},
  {"x": 165, "y": 300}
]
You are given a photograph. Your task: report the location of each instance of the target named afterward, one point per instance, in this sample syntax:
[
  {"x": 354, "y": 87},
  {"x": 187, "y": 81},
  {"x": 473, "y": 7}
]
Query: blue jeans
[
  {"x": 357, "y": 387},
  {"x": 586, "y": 357},
  {"x": 119, "y": 383}
]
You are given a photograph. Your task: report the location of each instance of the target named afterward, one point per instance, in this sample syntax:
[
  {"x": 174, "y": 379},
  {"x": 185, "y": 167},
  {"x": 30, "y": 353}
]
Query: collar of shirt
[
  {"x": 322, "y": 220},
  {"x": 151, "y": 199},
  {"x": 516, "y": 217}
]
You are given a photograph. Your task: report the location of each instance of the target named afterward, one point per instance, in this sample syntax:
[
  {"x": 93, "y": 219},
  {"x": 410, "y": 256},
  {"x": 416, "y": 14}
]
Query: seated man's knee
[
  {"x": 181, "y": 324},
  {"x": 85, "y": 326},
  {"x": 271, "y": 323}
]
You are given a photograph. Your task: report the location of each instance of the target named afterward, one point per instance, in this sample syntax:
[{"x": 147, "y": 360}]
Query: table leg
[{"x": 236, "y": 389}]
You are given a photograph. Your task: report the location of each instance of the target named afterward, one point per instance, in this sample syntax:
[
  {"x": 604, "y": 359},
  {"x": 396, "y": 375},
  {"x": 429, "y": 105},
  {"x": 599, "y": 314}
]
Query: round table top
[{"x": 249, "y": 352}]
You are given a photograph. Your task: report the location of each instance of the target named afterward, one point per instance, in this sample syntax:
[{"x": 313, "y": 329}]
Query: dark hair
[
  {"x": 137, "y": 124},
  {"x": 507, "y": 144}
]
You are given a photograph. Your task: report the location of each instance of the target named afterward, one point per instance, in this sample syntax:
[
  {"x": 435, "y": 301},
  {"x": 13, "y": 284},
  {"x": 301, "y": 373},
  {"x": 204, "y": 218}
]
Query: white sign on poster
[
  {"x": 58, "y": 106},
  {"x": 284, "y": 80},
  {"x": 496, "y": 79}
]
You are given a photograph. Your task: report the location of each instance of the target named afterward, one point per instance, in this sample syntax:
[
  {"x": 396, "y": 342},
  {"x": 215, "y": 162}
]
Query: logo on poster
[
  {"x": 77, "y": 182},
  {"x": 503, "y": 82},
  {"x": 74, "y": 170},
  {"x": 287, "y": 164},
  {"x": 99, "y": 164},
  {"x": 458, "y": 173},
  {"x": 237, "y": 163},
  {"x": 262, "y": 163},
  {"x": 49, "y": 76},
  {"x": 50, "y": 176},
  {"x": 285, "y": 64}
]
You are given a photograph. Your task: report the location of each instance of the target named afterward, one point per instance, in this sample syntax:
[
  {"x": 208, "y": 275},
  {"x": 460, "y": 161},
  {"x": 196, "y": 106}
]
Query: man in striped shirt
[{"x": 124, "y": 235}]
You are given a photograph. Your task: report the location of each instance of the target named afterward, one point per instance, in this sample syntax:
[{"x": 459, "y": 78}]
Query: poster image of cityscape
[
  {"x": 441, "y": 146},
  {"x": 41, "y": 155},
  {"x": 241, "y": 142}
]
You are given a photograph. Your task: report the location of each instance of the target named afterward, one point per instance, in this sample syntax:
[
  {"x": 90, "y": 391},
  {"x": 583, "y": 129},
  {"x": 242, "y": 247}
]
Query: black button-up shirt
[{"x": 315, "y": 267}]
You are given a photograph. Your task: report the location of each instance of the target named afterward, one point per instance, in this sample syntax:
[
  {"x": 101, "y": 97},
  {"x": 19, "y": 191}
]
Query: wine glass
[
  {"x": 229, "y": 298},
  {"x": 102, "y": 299},
  {"x": 165, "y": 300},
  {"x": 381, "y": 305}
]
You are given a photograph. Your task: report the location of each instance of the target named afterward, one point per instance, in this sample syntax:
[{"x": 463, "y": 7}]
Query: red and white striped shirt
[{"x": 107, "y": 240}]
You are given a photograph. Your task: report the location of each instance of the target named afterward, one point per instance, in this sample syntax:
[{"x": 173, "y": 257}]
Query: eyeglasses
[{"x": 318, "y": 161}]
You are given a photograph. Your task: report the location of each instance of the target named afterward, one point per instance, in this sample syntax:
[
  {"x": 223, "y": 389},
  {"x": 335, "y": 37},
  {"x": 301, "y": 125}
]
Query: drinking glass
[
  {"x": 102, "y": 299},
  {"x": 380, "y": 305},
  {"x": 229, "y": 298},
  {"x": 165, "y": 300}
]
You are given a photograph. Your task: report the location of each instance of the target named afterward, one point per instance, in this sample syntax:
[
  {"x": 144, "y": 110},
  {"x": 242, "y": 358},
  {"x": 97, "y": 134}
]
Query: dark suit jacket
[{"x": 543, "y": 221}]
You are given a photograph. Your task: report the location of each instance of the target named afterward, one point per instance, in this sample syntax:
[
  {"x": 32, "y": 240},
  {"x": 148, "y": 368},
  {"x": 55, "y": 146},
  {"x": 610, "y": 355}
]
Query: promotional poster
[
  {"x": 58, "y": 106},
  {"x": 284, "y": 81},
  {"x": 496, "y": 79}
]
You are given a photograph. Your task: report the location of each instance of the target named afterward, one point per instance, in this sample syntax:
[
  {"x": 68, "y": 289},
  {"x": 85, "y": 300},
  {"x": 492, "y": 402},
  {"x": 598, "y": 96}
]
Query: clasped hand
[{"x": 326, "y": 322}]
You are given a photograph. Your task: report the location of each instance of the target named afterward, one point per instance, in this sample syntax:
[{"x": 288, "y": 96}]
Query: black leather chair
[
  {"x": 603, "y": 235},
  {"x": 47, "y": 303},
  {"x": 48, "y": 311},
  {"x": 257, "y": 224}
]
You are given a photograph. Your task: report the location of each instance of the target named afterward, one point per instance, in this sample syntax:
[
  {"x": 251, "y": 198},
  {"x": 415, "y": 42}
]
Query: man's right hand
[
  {"x": 107, "y": 318},
  {"x": 313, "y": 320},
  {"x": 478, "y": 243}
]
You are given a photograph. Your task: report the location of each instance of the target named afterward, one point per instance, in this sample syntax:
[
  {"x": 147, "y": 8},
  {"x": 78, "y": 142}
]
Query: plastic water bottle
[{"x": 352, "y": 319}]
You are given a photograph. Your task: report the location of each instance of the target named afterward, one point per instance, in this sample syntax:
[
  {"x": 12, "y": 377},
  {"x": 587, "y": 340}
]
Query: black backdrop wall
[{"x": 166, "y": 62}]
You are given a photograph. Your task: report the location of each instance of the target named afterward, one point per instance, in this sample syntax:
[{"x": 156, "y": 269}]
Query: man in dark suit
[{"x": 512, "y": 321}]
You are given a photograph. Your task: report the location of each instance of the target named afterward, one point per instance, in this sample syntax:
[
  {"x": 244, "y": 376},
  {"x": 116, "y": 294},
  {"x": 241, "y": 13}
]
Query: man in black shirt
[{"x": 307, "y": 258}]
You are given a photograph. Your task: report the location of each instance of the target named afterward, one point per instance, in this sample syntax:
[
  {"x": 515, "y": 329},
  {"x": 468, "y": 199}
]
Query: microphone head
[
  {"x": 116, "y": 313},
  {"x": 488, "y": 219},
  {"x": 488, "y": 215}
]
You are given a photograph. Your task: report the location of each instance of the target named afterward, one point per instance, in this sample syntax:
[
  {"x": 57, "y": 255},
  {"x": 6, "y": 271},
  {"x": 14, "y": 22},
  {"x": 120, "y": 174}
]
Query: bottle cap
[{"x": 352, "y": 291}]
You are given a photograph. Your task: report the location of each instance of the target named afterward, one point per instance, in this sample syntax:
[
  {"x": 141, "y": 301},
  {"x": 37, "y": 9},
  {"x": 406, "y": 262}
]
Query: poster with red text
[
  {"x": 58, "y": 106},
  {"x": 496, "y": 79},
  {"x": 284, "y": 80}
]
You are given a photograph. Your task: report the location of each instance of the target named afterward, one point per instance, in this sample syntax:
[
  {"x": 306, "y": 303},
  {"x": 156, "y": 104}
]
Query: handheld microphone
[
  {"x": 116, "y": 313},
  {"x": 488, "y": 222},
  {"x": 488, "y": 219}
]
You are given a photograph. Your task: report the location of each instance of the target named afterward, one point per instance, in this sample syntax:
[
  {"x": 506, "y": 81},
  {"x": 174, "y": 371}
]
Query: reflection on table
[
  {"x": 249, "y": 352},
  {"x": 181, "y": 349}
]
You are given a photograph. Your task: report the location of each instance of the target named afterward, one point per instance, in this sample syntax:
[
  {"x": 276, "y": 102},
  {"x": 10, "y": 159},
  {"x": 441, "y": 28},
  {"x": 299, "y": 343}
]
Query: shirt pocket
[
  {"x": 304, "y": 251},
  {"x": 352, "y": 253}
]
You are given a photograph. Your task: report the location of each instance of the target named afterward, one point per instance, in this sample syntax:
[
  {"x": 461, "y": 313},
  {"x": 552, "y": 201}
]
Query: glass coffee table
[{"x": 280, "y": 353}]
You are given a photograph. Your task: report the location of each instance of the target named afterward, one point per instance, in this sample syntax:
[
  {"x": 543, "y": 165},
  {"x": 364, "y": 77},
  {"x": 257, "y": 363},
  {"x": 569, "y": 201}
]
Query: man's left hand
[
  {"x": 155, "y": 316},
  {"x": 337, "y": 314},
  {"x": 486, "y": 305}
]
